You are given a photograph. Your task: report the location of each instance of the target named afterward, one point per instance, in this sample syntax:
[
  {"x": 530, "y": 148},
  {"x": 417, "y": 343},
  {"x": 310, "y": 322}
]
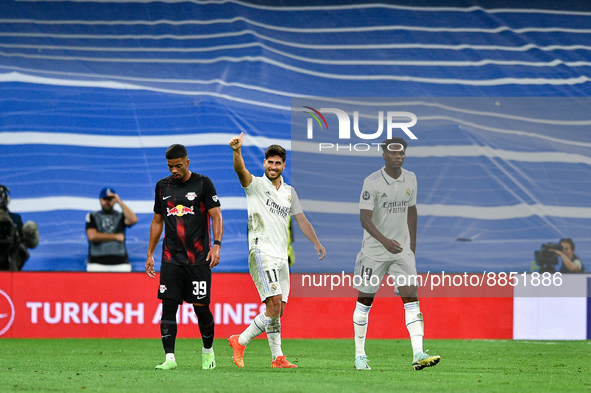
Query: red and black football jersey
[{"x": 184, "y": 208}]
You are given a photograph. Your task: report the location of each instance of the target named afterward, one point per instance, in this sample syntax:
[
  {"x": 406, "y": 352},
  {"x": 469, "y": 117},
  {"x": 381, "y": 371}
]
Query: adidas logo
[{"x": 384, "y": 195}]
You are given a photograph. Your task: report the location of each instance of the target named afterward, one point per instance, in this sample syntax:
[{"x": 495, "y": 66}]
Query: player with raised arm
[
  {"x": 184, "y": 204},
  {"x": 388, "y": 216},
  {"x": 270, "y": 203}
]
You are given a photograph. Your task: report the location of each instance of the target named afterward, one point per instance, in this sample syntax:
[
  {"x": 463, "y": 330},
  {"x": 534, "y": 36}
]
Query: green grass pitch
[{"x": 107, "y": 365}]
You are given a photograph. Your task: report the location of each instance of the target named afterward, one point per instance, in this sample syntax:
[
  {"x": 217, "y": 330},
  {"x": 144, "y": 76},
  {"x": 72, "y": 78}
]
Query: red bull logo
[{"x": 179, "y": 210}]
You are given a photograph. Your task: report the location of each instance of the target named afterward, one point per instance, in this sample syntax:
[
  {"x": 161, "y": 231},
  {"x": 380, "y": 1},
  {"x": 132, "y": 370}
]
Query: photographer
[
  {"x": 15, "y": 238},
  {"x": 570, "y": 262}
]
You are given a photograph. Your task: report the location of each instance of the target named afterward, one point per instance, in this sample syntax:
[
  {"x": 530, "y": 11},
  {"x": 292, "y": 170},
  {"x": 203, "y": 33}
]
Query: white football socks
[
  {"x": 274, "y": 336},
  {"x": 257, "y": 326},
  {"x": 414, "y": 324},
  {"x": 261, "y": 323},
  {"x": 360, "y": 320}
]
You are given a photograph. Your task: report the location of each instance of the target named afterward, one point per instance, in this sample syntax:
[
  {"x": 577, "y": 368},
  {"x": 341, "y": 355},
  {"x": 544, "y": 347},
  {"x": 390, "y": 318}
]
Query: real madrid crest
[{"x": 408, "y": 192}]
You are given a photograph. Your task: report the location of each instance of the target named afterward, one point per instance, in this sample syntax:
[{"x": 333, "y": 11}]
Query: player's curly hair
[{"x": 276, "y": 150}]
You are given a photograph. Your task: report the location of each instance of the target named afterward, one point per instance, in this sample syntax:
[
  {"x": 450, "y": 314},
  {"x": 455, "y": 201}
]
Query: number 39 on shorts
[{"x": 200, "y": 288}]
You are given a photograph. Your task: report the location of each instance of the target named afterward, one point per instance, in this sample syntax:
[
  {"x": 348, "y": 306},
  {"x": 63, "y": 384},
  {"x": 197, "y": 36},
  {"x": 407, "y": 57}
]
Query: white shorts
[
  {"x": 369, "y": 273},
  {"x": 270, "y": 275}
]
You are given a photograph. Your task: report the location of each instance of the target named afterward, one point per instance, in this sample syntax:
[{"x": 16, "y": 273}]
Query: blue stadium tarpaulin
[{"x": 92, "y": 93}]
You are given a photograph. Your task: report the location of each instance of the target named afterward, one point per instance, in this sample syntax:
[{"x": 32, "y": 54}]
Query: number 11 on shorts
[{"x": 272, "y": 275}]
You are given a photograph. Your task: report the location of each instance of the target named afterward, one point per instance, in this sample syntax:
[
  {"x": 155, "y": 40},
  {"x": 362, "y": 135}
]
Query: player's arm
[
  {"x": 391, "y": 245},
  {"x": 308, "y": 230},
  {"x": 95, "y": 236},
  {"x": 155, "y": 232},
  {"x": 243, "y": 174},
  {"x": 412, "y": 217},
  {"x": 218, "y": 232}
]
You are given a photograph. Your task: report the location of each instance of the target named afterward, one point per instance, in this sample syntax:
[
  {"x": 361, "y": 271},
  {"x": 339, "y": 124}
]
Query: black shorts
[{"x": 189, "y": 283}]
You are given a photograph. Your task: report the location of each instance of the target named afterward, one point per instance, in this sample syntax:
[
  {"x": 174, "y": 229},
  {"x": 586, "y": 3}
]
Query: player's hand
[
  {"x": 120, "y": 237},
  {"x": 150, "y": 267},
  {"x": 237, "y": 141},
  {"x": 213, "y": 256},
  {"x": 393, "y": 246},
  {"x": 320, "y": 250}
]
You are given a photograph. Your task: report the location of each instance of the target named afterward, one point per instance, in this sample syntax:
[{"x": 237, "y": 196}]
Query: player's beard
[{"x": 277, "y": 174}]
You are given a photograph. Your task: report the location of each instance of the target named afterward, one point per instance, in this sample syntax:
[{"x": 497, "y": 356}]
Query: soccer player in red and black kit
[{"x": 184, "y": 203}]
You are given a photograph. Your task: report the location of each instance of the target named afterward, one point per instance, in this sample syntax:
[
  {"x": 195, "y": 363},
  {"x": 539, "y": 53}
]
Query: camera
[
  {"x": 15, "y": 237},
  {"x": 547, "y": 259}
]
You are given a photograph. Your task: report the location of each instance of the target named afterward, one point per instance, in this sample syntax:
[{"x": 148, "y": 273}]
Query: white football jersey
[
  {"x": 389, "y": 199},
  {"x": 269, "y": 209}
]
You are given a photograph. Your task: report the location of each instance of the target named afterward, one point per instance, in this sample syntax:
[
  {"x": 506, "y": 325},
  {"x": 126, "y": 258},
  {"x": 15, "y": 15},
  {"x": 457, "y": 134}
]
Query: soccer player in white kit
[
  {"x": 388, "y": 216},
  {"x": 270, "y": 203}
]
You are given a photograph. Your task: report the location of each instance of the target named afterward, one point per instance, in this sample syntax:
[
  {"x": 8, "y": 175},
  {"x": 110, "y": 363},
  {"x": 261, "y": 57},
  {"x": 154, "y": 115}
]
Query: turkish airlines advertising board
[{"x": 125, "y": 305}]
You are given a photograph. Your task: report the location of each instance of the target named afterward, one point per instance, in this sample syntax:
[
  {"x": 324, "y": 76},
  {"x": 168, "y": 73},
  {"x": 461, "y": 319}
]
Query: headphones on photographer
[{"x": 4, "y": 195}]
